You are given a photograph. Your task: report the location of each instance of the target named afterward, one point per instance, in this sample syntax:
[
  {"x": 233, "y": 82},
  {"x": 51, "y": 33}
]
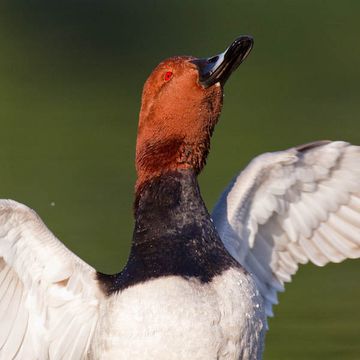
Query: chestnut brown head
[{"x": 181, "y": 103}]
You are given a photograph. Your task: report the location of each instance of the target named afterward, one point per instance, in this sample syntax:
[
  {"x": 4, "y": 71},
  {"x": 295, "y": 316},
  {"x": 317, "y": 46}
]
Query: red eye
[{"x": 168, "y": 75}]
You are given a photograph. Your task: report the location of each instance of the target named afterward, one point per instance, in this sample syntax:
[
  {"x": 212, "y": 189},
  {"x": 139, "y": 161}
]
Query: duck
[{"x": 195, "y": 286}]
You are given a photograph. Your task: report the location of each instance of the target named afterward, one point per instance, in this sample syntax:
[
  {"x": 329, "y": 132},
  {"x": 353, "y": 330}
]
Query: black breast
[{"x": 173, "y": 235}]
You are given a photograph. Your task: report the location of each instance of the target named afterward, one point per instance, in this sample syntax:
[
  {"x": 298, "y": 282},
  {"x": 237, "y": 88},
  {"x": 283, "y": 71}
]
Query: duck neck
[
  {"x": 173, "y": 235},
  {"x": 170, "y": 206}
]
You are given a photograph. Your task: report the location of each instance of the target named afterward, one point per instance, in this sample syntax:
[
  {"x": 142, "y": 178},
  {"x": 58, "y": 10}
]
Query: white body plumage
[{"x": 174, "y": 318}]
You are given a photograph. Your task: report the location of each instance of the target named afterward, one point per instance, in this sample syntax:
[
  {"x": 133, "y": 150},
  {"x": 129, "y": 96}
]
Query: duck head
[{"x": 181, "y": 103}]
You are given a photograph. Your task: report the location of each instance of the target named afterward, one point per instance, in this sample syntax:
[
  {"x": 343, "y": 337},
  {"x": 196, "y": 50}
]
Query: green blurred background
[{"x": 71, "y": 74}]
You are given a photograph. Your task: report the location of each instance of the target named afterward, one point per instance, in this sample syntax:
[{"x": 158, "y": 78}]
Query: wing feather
[
  {"x": 14, "y": 328},
  {"x": 49, "y": 297},
  {"x": 291, "y": 207}
]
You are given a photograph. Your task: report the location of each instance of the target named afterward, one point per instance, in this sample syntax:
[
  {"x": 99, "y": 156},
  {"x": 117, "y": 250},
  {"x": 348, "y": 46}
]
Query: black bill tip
[{"x": 218, "y": 68}]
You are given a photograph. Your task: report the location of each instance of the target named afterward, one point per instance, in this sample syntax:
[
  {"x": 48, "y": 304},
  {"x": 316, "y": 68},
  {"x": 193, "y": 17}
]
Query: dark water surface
[{"x": 71, "y": 74}]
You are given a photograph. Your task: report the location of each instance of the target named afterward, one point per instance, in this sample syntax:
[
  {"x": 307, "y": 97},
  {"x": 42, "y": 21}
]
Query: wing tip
[{"x": 312, "y": 145}]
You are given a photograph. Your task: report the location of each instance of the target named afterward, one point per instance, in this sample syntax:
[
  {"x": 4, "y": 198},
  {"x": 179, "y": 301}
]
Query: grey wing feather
[
  {"x": 49, "y": 298},
  {"x": 291, "y": 207}
]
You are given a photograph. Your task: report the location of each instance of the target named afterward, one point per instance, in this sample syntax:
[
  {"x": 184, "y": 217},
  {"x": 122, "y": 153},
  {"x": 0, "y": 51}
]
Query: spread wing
[
  {"x": 291, "y": 207},
  {"x": 48, "y": 296}
]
